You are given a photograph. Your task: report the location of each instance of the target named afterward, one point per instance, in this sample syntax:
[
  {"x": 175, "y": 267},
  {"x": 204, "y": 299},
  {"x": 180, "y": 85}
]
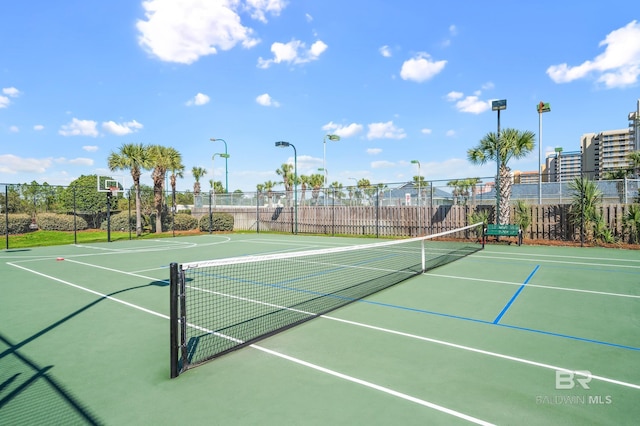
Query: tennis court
[{"x": 506, "y": 335}]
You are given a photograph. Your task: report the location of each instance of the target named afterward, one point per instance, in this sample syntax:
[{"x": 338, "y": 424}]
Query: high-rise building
[
  {"x": 564, "y": 166},
  {"x": 606, "y": 152}
]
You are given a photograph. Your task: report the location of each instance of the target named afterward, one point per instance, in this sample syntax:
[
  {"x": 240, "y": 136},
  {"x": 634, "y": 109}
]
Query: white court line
[
  {"x": 105, "y": 252},
  {"x": 577, "y": 290},
  {"x": 283, "y": 356},
  {"x": 532, "y": 258},
  {"x": 399, "y": 333},
  {"x": 572, "y": 257}
]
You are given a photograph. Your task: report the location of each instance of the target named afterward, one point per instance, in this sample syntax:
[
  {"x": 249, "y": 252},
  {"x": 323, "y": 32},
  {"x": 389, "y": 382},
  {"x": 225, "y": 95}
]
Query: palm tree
[
  {"x": 634, "y": 158},
  {"x": 364, "y": 186},
  {"x": 177, "y": 171},
  {"x": 585, "y": 203},
  {"x": 316, "y": 181},
  {"x": 288, "y": 176},
  {"x": 268, "y": 187},
  {"x": 163, "y": 159},
  {"x": 197, "y": 172},
  {"x": 513, "y": 144},
  {"x": 337, "y": 190},
  {"x": 135, "y": 158},
  {"x": 304, "y": 181},
  {"x": 259, "y": 189}
]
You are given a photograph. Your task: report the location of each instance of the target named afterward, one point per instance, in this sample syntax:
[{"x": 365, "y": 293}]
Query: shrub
[
  {"x": 220, "y": 222},
  {"x": 184, "y": 222},
  {"x": 18, "y": 224},
  {"x": 120, "y": 222},
  {"x": 60, "y": 222}
]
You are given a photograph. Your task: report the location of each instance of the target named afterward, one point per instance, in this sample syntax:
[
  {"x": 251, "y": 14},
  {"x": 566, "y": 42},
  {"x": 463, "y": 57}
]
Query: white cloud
[
  {"x": 617, "y": 66},
  {"x": 385, "y": 51},
  {"x": 11, "y": 91},
  {"x": 450, "y": 133},
  {"x": 308, "y": 17},
  {"x": 14, "y": 129},
  {"x": 453, "y": 30},
  {"x": 199, "y": 100},
  {"x": 38, "y": 127},
  {"x": 426, "y": 131},
  {"x": 183, "y": 31},
  {"x": 454, "y": 96},
  {"x": 488, "y": 86},
  {"x": 258, "y": 8},
  {"x": 122, "y": 128},
  {"x": 79, "y": 128},
  {"x": 383, "y": 164},
  {"x": 80, "y": 161},
  {"x": 293, "y": 52},
  {"x": 343, "y": 131},
  {"x": 266, "y": 100},
  {"x": 421, "y": 68},
  {"x": 473, "y": 105},
  {"x": 12, "y": 164},
  {"x": 385, "y": 131},
  {"x": 90, "y": 148},
  {"x": 374, "y": 151}
]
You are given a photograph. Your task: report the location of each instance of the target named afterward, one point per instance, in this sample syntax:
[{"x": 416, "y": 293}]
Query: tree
[
  {"x": 513, "y": 144},
  {"x": 316, "y": 181},
  {"x": 337, "y": 190},
  {"x": 197, "y": 173},
  {"x": 268, "y": 188},
  {"x": 304, "y": 182},
  {"x": 162, "y": 159},
  {"x": 133, "y": 157},
  {"x": 634, "y": 158},
  {"x": 288, "y": 177},
  {"x": 83, "y": 194},
  {"x": 177, "y": 171}
]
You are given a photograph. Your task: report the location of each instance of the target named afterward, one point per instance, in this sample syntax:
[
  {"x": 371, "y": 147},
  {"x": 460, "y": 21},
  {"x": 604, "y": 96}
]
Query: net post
[
  {"x": 173, "y": 317},
  {"x": 423, "y": 256},
  {"x": 484, "y": 236}
]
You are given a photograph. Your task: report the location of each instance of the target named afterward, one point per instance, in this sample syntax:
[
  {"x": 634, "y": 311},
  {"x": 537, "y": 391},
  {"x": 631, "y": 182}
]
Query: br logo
[{"x": 569, "y": 379}]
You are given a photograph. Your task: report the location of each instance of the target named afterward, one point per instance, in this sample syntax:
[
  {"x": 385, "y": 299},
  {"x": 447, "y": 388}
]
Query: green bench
[{"x": 503, "y": 230}]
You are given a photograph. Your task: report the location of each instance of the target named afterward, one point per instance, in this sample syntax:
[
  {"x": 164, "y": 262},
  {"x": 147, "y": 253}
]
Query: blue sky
[{"x": 398, "y": 80}]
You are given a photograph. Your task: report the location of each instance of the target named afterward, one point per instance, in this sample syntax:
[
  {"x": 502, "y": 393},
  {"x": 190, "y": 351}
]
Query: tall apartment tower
[
  {"x": 606, "y": 151},
  {"x": 634, "y": 126}
]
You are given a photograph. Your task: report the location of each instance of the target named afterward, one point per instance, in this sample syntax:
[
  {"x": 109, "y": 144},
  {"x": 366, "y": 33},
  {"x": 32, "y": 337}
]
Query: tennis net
[{"x": 221, "y": 305}]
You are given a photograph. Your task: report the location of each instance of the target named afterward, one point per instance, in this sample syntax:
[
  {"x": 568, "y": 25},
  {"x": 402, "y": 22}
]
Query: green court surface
[{"x": 508, "y": 335}]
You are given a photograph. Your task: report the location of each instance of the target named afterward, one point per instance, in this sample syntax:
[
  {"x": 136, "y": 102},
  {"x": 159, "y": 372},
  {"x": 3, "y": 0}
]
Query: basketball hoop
[{"x": 113, "y": 191}]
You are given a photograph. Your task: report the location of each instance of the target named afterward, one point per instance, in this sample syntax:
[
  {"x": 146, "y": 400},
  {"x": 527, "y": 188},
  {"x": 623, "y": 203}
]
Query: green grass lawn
[{"x": 42, "y": 238}]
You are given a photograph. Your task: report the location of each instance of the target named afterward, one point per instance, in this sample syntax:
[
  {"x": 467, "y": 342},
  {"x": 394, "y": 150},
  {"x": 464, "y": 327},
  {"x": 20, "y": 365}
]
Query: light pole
[
  {"x": 498, "y": 105},
  {"x": 559, "y": 166},
  {"x": 283, "y": 144},
  {"x": 542, "y": 108},
  {"x": 324, "y": 155},
  {"x": 325, "y": 172},
  {"x": 213, "y": 172},
  {"x": 419, "y": 189},
  {"x": 355, "y": 187},
  {"x": 226, "y": 164}
]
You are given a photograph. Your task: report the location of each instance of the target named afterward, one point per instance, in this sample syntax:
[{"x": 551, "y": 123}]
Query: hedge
[
  {"x": 18, "y": 223},
  {"x": 60, "y": 222},
  {"x": 220, "y": 222}
]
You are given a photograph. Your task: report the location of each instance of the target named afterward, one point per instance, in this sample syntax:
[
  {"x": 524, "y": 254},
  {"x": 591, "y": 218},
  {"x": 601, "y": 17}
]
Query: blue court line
[
  {"x": 440, "y": 314},
  {"x": 513, "y": 327},
  {"x": 515, "y": 296}
]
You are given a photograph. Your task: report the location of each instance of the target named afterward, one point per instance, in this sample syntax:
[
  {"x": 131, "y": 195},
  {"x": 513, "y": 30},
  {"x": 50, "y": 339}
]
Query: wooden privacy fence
[{"x": 548, "y": 222}]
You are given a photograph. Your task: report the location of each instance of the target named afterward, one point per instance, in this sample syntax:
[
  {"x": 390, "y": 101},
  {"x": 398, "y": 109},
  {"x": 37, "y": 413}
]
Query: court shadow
[{"x": 30, "y": 392}]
